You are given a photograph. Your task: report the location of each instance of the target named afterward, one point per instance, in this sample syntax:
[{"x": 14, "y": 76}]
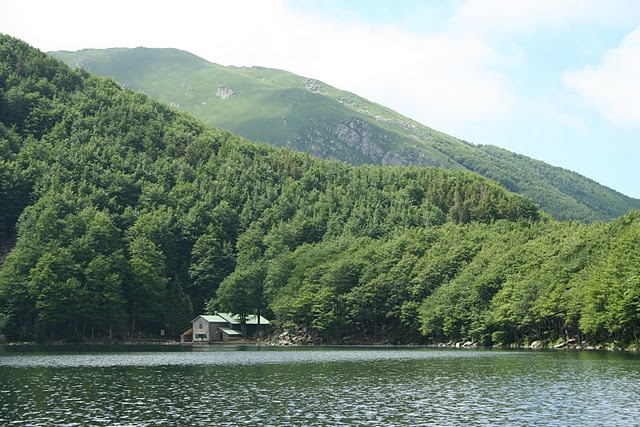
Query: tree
[
  {"x": 54, "y": 288},
  {"x": 211, "y": 262},
  {"x": 242, "y": 293},
  {"x": 612, "y": 292},
  {"x": 147, "y": 291},
  {"x": 105, "y": 307}
]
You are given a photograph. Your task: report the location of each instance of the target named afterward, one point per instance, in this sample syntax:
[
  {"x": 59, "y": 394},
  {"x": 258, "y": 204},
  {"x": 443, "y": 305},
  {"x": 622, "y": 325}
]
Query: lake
[{"x": 316, "y": 386}]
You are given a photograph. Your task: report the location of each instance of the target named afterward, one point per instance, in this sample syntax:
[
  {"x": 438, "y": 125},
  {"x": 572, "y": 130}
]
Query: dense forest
[{"x": 121, "y": 216}]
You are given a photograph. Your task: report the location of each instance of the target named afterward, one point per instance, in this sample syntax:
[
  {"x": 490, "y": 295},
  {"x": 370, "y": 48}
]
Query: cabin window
[{"x": 200, "y": 325}]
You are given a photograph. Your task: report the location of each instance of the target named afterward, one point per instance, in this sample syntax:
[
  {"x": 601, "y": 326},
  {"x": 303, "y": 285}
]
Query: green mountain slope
[
  {"x": 123, "y": 217},
  {"x": 288, "y": 110},
  {"x": 129, "y": 213}
]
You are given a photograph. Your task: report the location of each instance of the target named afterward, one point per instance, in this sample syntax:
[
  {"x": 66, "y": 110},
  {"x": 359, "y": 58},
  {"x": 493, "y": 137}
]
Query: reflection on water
[{"x": 319, "y": 387}]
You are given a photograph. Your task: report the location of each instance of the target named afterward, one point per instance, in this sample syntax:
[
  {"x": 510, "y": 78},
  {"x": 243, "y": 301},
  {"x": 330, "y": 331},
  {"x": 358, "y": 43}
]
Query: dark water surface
[{"x": 266, "y": 386}]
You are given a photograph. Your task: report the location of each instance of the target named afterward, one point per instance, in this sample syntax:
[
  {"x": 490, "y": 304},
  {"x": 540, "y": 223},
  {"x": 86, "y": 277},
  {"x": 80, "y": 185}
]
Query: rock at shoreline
[
  {"x": 288, "y": 338},
  {"x": 566, "y": 343}
]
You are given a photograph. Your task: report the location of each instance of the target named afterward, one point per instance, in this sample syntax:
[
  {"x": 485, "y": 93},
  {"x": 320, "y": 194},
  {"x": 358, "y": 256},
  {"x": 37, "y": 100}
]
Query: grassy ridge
[{"x": 307, "y": 115}]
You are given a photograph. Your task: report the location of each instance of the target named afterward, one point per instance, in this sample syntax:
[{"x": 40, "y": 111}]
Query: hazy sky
[{"x": 556, "y": 80}]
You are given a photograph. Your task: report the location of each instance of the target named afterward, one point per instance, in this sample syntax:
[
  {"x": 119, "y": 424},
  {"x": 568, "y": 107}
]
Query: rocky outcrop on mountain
[
  {"x": 83, "y": 65},
  {"x": 357, "y": 142},
  {"x": 312, "y": 86},
  {"x": 224, "y": 92},
  {"x": 394, "y": 159},
  {"x": 356, "y": 134}
]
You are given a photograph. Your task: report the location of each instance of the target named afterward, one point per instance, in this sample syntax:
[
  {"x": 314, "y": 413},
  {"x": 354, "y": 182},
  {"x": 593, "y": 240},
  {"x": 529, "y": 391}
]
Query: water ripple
[{"x": 318, "y": 388}]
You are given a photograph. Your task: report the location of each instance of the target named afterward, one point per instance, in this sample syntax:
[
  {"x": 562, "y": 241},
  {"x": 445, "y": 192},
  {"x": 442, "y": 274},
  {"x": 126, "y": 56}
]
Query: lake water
[{"x": 267, "y": 386}]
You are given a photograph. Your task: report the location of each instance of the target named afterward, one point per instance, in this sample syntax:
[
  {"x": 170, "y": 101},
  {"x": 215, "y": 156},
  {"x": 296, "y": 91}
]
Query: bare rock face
[
  {"x": 394, "y": 159},
  {"x": 81, "y": 64},
  {"x": 312, "y": 87},
  {"x": 224, "y": 92},
  {"x": 347, "y": 133},
  {"x": 356, "y": 135},
  {"x": 351, "y": 140}
]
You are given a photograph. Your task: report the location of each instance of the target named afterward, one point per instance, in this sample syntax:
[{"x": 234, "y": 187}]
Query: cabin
[{"x": 221, "y": 327}]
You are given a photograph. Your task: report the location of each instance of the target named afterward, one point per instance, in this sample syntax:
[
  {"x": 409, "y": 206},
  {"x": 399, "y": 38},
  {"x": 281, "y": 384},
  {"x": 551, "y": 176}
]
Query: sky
[{"x": 555, "y": 80}]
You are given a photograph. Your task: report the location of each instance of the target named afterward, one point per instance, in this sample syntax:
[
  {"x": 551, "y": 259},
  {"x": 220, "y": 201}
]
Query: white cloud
[
  {"x": 439, "y": 79},
  {"x": 612, "y": 87},
  {"x": 522, "y": 16}
]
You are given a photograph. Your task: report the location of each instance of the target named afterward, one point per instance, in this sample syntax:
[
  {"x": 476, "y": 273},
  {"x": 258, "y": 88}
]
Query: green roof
[
  {"x": 230, "y": 332},
  {"x": 212, "y": 318}
]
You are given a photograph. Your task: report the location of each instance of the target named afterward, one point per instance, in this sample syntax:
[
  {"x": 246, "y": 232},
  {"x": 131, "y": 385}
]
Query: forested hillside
[
  {"x": 129, "y": 217},
  {"x": 308, "y": 115}
]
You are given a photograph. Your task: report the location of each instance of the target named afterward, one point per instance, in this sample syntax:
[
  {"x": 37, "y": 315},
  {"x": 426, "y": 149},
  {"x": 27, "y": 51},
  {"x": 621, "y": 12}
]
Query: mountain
[
  {"x": 284, "y": 109},
  {"x": 130, "y": 214},
  {"x": 123, "y": 217}
]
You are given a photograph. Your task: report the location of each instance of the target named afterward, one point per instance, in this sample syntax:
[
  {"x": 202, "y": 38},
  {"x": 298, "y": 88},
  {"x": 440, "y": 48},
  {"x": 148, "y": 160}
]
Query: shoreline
[{"x": 248, "y": 343}]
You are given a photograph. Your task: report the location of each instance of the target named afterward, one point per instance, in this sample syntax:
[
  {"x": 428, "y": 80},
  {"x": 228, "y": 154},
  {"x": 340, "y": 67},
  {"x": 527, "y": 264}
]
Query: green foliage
[
  {"x": 211, "y": 262},
  {"x": 130, "y": 216},
  {"x": 612, "y": 293}
]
